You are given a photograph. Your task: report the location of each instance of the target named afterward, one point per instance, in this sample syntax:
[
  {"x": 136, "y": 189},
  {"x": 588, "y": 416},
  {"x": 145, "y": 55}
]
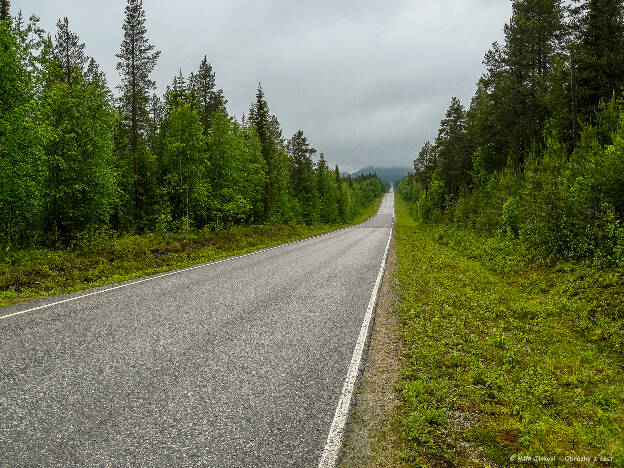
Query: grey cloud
[{"x": 367, "y": 81}]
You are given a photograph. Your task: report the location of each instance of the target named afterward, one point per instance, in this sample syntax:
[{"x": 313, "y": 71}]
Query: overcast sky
[{"x": 368, "y": 81}]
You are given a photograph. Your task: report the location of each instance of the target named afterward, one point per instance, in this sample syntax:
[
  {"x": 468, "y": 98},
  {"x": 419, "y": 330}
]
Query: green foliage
[
  {"x": 237, "y": 172},
  {"x": 431, "y": 204},
  {"x": 137, "y": 59},
  {"x": 5, "y": 10},
  {"x": 302, "y": 177},
  {"x": 79, "y": 185},
  {"x": 20, "y": 147},
  {"x": 600, "y": 52},
  {"x": 327, "y": 192},
  {"x": 519, "y": 162},
  {"x": 504, "y": 359},
  {"x": 278, "y": 205},
  {"x": 185, "y": 166}
]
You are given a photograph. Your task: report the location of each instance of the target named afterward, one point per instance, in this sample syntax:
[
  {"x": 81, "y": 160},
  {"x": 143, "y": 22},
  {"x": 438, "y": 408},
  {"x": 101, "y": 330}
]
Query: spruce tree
[
  {"x": 260, "y": 118},
  {"x": 137, "y": 59},
  {"x": 302, "y": 180},
  {"x": 340, "y": 196},
  {"x": 209, "y": 100},
  {"x": 326, "y": 190},
  {"x": 68, "y": 51},
  {"x": 450, "y": 147}
]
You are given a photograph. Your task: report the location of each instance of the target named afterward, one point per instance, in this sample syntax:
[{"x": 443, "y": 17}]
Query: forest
[
  {"x": 538, "y": 155},
  {"x": 510, "y": 245},
  {"x": 77, "y": 159}
]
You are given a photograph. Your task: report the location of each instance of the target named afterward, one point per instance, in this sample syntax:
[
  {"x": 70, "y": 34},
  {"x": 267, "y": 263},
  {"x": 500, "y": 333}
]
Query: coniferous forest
[
  {"x": 77, "y": 158},
  {"x": 538, "y": 155}
]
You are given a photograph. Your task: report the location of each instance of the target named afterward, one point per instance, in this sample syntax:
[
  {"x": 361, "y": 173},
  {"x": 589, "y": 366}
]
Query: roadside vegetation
[
  {"x": 106, "y": 258},
  {"x": 505, "y": 362},
  {"x": 510, "y": 243}
]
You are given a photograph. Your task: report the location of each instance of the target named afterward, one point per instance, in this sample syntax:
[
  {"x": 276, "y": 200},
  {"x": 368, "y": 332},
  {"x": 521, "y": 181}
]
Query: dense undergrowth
[
  {"x": 107, "y": 258},
  {"x": 506, "y": 358}
]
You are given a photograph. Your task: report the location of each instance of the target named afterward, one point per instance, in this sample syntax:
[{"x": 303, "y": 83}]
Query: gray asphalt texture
[{"x": 236, "y": 364}]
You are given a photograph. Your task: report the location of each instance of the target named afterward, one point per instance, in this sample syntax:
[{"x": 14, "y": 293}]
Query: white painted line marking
[
  {"x": 329, "y": 458},
  {"x": 175, "y": 272}
]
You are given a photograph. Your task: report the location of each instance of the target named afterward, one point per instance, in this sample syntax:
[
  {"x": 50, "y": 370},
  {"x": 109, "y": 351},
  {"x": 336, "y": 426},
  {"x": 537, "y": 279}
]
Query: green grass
[
  {"x": 107, "y": 259},
  {"x": 504, "y": 358}
]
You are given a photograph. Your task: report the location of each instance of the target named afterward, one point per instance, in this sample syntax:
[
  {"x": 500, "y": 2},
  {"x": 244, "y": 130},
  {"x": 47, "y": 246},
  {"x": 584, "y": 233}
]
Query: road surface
[{"x": 235, "y": 364}]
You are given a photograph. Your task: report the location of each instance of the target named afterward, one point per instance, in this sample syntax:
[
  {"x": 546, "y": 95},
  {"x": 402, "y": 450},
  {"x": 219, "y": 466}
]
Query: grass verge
[
  {"x": 372, "y": 432},
  {"x": 505, "y": 364},
  {"x": 105, "y": 259}
]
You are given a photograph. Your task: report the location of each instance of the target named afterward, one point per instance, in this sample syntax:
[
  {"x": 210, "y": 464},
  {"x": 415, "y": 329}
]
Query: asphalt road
[{"x": 234, "y": 364}]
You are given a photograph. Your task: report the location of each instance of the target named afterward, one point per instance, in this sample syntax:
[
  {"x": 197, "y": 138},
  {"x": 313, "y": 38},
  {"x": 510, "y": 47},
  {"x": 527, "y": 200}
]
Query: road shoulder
[{"x": 371, "y": 434}]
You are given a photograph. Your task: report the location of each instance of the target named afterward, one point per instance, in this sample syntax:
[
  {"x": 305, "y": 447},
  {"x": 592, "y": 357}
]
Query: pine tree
[
  {"x": 5, "y": 10},
  {"x": 68, "y": 51},
  {"x": 600, "y": 55},
  {"x": 137, "y": 60},
  {"x": 177, "y": 91},
  {"x": 517, "y": 77}
]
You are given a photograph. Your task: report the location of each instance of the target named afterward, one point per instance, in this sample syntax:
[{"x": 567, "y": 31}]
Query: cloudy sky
[{"x": 366, "y": 80}]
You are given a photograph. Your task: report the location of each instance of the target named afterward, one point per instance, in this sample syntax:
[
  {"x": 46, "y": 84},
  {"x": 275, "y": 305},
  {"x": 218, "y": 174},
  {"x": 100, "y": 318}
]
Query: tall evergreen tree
[
  {"x": 340, "y": 195},
  {"x": 326, "y": 190},
  {"x": 302, "y": 178},
  {"x": 452, "y": 157},
  {"x": 269, "y": 134},
  {"x": 137, "y": 59},
  {"x": 68, "y": 51},
  {"x": 209, "y": 99},
  {"x": 600, "y": 55},
  {"x": 517, "y": 78}
]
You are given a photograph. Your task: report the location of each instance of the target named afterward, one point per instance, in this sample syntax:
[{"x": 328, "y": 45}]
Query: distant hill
[{"x": 389, "y": 174}]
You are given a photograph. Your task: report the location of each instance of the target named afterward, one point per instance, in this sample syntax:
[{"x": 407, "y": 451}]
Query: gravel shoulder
[{"x": 372, "y": 435}]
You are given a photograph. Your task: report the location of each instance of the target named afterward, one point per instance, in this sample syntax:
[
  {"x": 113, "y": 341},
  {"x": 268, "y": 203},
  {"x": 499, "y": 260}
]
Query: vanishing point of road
[{"x": 238, "y": 363}]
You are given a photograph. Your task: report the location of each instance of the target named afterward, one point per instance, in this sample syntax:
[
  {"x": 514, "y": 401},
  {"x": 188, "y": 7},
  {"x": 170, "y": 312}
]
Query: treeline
[
  {"x": 73, "y": 158},
  {"x": 539, "y": 154}
]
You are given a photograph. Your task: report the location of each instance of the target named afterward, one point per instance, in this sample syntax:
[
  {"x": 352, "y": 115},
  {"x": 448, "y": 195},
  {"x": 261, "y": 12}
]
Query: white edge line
[
  {"x": 175, "y": 272},
  {"x": 329, "y": 458}
]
